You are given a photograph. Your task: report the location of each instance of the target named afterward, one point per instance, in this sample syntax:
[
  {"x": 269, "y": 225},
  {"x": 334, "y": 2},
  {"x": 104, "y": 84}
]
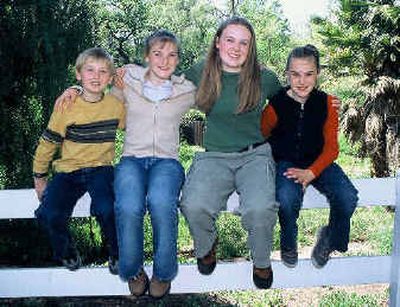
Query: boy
[{"x": 86, "y": 136}]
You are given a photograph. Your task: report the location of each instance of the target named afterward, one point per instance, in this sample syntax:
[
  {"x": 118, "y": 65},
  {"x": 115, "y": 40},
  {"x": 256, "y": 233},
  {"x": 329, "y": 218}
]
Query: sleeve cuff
[{"x": 40, "y": 175}]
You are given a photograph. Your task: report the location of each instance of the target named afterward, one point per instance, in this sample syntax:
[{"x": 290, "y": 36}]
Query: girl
[
  {"x": 302, "y": 125},
  {"x": 232, "y": 90}
]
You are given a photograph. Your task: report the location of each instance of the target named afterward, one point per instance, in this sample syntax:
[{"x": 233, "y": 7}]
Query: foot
[
  {"x": 72, "y": 261},
  {"x": 158, "y": 289},
  {"x": 139, "y": 284},
  {"x": 322, "y": 249},
  {"x": 207, "y": 264},
  {"x": 263, "y": 277},
  {"x": 289, "y": 257},
  {"x": 113, "y": 265}
]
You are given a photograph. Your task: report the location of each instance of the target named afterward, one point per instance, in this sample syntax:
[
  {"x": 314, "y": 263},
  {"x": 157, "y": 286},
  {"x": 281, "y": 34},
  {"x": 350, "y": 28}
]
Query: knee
[
  {"x": 347, "y": 201},
  {"x": 289, "y": 203},
  {"x": 129, "y": 210}
]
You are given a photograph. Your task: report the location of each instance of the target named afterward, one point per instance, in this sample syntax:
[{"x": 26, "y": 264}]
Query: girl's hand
[
  {"x": 40, "y": 186},
  {"x": 66, "y": 99},
  {"x": 119, "y": 78},
  {"x": 301, "y": 176}
]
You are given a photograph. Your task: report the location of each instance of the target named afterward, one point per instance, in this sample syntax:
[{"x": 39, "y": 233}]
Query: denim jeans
[
  {"x": 151, "y": 184},
  {"x": 59, "y": 200},
  {"x": 341, "y": 195}
]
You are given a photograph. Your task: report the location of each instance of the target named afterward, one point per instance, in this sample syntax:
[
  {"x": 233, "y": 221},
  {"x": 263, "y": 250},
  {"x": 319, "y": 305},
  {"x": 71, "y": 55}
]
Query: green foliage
[
  {"x": 39, "y": 41},
  {"x": 232, "y": 237},
  {"x": 344, "y": 299},
  {"x": 122, "y": 26},
  {"x": 192, "y": 21},
  {"x": 272, "y": 32}
]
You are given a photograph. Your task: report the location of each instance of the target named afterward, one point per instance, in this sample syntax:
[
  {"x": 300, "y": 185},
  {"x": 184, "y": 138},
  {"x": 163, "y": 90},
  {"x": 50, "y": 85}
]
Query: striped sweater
[{"x": 85, "y": 134}]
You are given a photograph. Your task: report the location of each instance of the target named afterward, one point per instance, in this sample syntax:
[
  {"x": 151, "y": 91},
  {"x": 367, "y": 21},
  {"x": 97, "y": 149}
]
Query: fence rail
[{"x": 89, "y": 281}]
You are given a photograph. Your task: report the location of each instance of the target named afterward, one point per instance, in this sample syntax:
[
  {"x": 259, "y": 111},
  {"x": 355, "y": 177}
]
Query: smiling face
[
  {"x": 162, "y": 59},
  {"x": 233, "y": 46},
  {"x": 94, "y": 75},
  {"x": 302, "y": 76}
]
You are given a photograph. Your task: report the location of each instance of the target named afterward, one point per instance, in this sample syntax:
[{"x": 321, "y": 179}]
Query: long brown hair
[{"x": 249, "y": 87}]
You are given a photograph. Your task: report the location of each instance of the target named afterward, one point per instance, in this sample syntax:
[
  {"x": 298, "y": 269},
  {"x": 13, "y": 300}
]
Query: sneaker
[
  {"x": 113, "y": 265},
  {"x": 73, "y": 261},
  {"x": 263, "y": 278},
  {"x": 289, "y": 257},
  {"x": 322, "y": 249},
  {"x": 158, "y": 289},
  {"x": 207, "y": 264},
  {"x": 138, "y": 285}
]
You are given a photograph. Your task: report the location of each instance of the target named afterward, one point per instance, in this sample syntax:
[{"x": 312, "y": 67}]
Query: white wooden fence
[{"x": 36, "y": 282}]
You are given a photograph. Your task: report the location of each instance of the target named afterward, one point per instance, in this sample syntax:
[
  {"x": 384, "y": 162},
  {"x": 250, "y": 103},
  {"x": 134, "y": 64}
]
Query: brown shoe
[
  {"x": 263, "y": 278},
  {"x": 158, "y": 289},
  {"x": 139, "y": 284},
  {"x": 207, "y": 264}
]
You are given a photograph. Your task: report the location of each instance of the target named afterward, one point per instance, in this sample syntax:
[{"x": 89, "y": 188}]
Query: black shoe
[
  {"x": 322, "y": 249},
  {"x": 73, "y": 261},
  {"x": 263, "y": 278},
  {"x": 113, "y": 265},
  {"x": 207, "y": 264},
  {"x": 289, "y": 257}
]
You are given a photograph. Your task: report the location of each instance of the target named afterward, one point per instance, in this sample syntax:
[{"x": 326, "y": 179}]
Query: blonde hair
[
  {"x": 160, "y": 36},
  {"x": 249, "y": 87},
  {"x": 98, "y": 54}
]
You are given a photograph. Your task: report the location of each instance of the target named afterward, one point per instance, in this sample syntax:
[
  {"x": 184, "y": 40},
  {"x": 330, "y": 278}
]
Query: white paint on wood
[
  {"x": 372, "y": 192},
  {"x": 395, "y": 268},
  {"x": 36, "y": 282}
]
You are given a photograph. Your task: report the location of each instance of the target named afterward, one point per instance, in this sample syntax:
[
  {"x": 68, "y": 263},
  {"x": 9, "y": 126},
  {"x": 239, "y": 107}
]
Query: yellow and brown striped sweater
[{"x": 85, "y": 134}]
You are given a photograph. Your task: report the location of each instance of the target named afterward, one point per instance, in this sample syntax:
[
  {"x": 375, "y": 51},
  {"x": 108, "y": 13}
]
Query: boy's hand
[
  {"x": 65, "y": 100},
  {"x": 302, "y": 176},
  {"x": 40, "y": 186},
  {"x": 119, "y": 78},
  {"x": 336, "y": 103}
]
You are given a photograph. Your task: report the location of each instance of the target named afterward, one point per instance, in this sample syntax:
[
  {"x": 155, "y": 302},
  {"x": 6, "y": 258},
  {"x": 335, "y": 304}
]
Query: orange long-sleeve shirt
[{"x": 330, "y": 150}]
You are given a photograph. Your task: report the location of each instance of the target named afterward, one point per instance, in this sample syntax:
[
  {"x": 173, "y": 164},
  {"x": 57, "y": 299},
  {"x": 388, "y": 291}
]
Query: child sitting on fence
[
  {"x": 302, "y": 126},
  {"x": 86, "y": 136}
]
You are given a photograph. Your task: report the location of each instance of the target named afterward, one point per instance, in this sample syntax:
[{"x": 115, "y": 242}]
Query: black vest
[{"x": 298, "y": 136}]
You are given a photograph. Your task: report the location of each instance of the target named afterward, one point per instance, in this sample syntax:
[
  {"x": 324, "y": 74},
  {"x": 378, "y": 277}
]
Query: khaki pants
[{"x": 212, "y": 178}]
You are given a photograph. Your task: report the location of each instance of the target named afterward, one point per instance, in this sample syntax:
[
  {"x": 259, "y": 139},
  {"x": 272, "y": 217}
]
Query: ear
[
  {"x": 78, "y": 75},
  {"x": 217, "y": 43}
]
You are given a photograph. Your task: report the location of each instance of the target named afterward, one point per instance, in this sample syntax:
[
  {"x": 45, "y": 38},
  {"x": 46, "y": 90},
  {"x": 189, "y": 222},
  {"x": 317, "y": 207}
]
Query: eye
[
  {"x": 173, "y": 55},
  {"x": 244, "y": 43},
  {"x": 156, "y": 53},
  {"x": 229, "y": 39}
]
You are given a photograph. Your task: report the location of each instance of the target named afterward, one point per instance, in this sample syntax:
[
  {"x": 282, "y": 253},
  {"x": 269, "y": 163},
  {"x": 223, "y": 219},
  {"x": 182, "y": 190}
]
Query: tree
[
  {"x": 122, "y": 26},
  {"x": 272, "y": 31},
  {"x": 39, "y": 40},
  {"x": 364, "y": 40}
]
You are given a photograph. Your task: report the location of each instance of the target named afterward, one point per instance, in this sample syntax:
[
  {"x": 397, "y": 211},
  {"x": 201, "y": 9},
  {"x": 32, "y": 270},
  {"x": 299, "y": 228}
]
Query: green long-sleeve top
[{"x": 225, "y": 130}]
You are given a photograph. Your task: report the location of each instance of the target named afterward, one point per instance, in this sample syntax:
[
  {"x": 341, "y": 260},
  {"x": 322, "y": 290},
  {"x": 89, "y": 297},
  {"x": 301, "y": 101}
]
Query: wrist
[
  {"x": 77, "y": 88},
  {"x": 40, "y": 175}
]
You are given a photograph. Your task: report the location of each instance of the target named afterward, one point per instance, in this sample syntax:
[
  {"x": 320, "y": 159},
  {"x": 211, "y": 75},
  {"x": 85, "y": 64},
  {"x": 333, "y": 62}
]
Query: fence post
[{"x": 395, "y": 266}]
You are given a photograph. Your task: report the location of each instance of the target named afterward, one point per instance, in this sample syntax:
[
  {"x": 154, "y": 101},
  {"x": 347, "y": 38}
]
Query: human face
[
  {"x": 94, "y": 75},
  {"x": 302, "y": 77},
  {"x": 162, "y": 60},
  {"x": 233, "y": 46}
]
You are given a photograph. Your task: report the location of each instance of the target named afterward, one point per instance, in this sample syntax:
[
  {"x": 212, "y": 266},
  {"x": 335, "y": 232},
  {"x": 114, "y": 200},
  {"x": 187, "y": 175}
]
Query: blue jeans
[
  {"x": 341, "y": 195},
  {"x": 151, "y": 184},
  {"x": 59, "y": 200}
]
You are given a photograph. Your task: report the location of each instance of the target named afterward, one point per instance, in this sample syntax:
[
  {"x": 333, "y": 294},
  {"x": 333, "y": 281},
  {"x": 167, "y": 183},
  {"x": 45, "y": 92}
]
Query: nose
[{"x": 164, "y": 60}]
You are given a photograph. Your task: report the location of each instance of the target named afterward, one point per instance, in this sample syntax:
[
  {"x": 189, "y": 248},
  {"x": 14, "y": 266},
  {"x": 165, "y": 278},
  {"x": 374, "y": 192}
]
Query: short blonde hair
[{"x": 98, "y": 54}]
